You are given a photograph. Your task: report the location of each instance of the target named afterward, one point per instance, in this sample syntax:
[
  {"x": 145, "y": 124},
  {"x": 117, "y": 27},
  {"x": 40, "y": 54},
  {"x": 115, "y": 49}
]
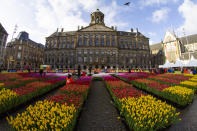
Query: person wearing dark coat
[
  {"x": 194, "y": 72},
  {"x": 79, "y": 71}
]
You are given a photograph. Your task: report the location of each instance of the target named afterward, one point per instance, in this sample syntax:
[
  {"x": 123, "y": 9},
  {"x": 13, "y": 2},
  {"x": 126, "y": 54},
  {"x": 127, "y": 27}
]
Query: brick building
[{"x": 23, "y": 52}]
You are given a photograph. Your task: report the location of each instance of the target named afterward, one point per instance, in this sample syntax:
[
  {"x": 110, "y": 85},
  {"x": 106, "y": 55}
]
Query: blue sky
[{"x": 40, "y": 18}]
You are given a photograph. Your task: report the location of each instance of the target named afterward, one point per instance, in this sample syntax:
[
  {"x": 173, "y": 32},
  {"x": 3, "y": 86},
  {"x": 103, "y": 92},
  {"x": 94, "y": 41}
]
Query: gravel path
[{"x": 98, "y": 113}]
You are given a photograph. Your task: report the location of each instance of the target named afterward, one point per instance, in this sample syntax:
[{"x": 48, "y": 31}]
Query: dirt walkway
[{"x": 98, "y": 113}]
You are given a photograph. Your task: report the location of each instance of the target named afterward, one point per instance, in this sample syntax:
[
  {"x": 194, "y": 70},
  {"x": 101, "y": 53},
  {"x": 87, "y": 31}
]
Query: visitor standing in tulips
[{"x": 69, "y": 79}]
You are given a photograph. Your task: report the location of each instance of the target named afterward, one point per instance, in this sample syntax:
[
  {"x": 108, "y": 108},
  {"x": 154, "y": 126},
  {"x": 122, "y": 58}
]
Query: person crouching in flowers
[{"x": 69, "y": 79}]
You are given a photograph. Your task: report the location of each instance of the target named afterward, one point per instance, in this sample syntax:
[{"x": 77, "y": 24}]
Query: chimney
[
  {"x": 81, "y": 27},
  {"x": 57, "y": 32},
  {"x": 78, "y": 27},
  {"x": 131, "y": 29},
  {"x": 115, "y": 27},
  {"x": 62, "y": 30},
  {"x": 137, "y": 30},
  {"x": 112, "y": 27}
]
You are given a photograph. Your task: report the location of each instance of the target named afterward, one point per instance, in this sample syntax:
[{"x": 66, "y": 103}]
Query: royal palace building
[
  {"x": 23, "y": 52},
  {"x": 97, "y": 46}
]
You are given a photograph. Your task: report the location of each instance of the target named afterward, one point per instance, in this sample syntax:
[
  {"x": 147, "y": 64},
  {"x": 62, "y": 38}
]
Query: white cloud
[
  {"x": 144, "y": 3},
  {"x": 150, "y": 42},
  {"x": 160, "y": 15},
  {"x": 151, "y": 34},
  {"x": 40, "y": 18},
  {"x": 111, "y": 14},
  {"x": 188, "y": 10}
]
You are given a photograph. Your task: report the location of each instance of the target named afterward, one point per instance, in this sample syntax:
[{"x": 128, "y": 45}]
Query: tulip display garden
[{"x": 145, "y": 101}]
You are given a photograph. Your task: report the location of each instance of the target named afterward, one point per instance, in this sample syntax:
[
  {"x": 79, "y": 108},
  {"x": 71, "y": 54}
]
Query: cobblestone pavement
[
  {"x": 189, "y": 119},
  {"x": 99, "y": 114}
]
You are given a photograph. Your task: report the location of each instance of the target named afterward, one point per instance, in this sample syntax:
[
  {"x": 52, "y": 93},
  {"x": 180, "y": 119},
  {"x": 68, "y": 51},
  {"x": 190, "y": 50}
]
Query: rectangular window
[
  {"x": 64, "y": 42},
  {"x": 97, "y": 52},
  {"x": 19, "y": 55},
  {"x": 102, "y": 40},
  {"x": 85, "y": 59},
  {"x": 60, "y": 44},
  {"x": 130, "y": 44},
  {"x": 85, "y": 52},
  {"x": 90, "y": 59},
  {"x": 67, "y": 45},
  {"x": 54, "y": 44},
  {"x": 113, "y": 43},
  {"x": 121, "y": 43},
  {"x": 126, "y": 42},
  {"x": 97, "y": 41},
  {"x": 20, "y": 48},
  {"x": 79, "y": 52},
  {"x": 85, "y": 40},
  {"x": 90, "y": 41},
  {"x": 72, "y": 44},
  {"x": 79, "y": 59},
  {"x": 90, "y": 51},
  {"x": 107, "y": 40},
  {"x": 79, "y": 41}
]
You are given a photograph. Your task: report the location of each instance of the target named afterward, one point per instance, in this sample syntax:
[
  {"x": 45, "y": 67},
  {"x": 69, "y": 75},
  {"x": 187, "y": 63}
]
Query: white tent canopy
[
  {"x": 166, "y": 65},
  {"x": 178, "y": 63},
  {"x": 192, "y": 63}
]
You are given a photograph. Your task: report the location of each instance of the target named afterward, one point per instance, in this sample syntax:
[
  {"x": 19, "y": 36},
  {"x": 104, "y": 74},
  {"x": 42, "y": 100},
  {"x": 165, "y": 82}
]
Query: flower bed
[
  {"x": 141, "y": 111},
  {"x": 7, "y": 98},
  {"x": 57, "y": 112},
  {"x": 147, "y": 113},
  {"x": 16, "y": 80},
  {"x": 172, "y": 82},
  {"x": 176, "y": 76},
  {"x": 45, "y": 115},
  {"x": 29, "y": 91},
  {"x": 157, "y": 88}
]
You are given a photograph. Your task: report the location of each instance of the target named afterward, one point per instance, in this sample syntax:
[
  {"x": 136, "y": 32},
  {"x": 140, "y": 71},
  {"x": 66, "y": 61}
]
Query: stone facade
[
  {"x": 174, "y": 48},
  {"x": 3, "y": 39},
  {"x": 24, "y": 53},
  {"x": 97, "y": 46},
  {"x": 157, "y": 55}
]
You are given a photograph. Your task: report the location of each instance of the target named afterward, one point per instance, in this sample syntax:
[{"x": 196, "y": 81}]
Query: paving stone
[
  {"x": 99, "y": 114},
  {"x": 189, "y": 119}
]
